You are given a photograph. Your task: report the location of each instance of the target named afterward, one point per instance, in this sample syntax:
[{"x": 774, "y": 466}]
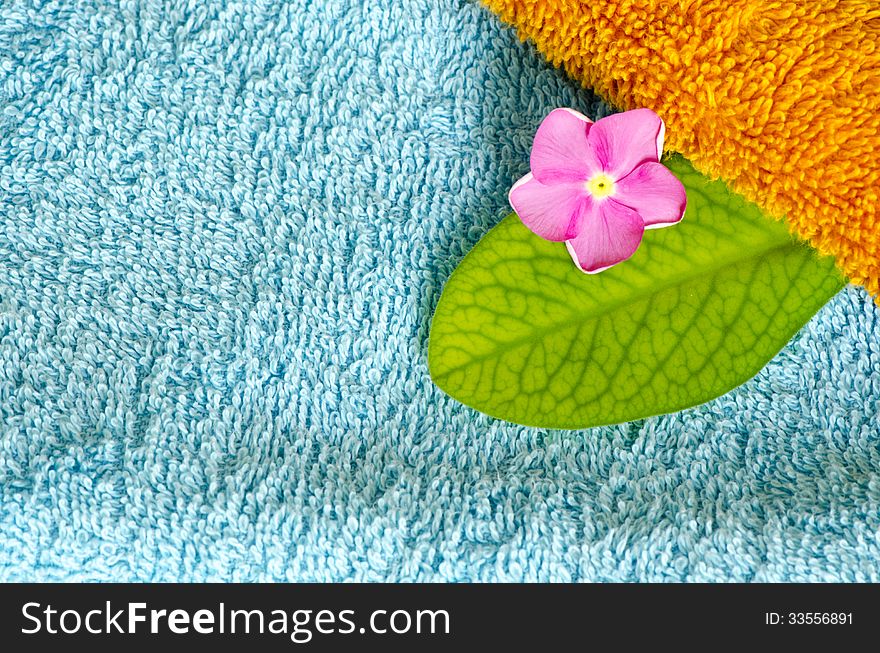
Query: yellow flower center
[{"x": 600, "y": 186}]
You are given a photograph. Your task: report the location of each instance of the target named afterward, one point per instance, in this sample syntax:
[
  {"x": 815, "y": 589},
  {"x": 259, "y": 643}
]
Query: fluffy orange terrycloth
[{"x": 778, "y": 98}]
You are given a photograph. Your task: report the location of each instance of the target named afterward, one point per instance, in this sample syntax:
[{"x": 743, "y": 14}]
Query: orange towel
[{"x": 779, "y": 99}]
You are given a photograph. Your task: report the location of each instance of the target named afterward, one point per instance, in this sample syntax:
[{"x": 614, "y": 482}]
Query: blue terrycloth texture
[{"x": 223, "y": 229}]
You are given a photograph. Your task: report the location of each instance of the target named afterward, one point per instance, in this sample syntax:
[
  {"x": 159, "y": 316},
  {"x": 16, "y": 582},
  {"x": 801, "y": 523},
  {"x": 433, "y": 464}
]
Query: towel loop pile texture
[
  {"x": 223, "y": 229},
  {"x": 780, "y": 99}
]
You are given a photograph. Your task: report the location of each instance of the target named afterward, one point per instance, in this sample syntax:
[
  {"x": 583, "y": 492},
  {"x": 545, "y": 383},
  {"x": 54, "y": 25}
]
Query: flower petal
[
  {"x": 622, "y": 141},
  {"x": 560, "y": 151},
  {"x": 551, "y": 210},
  {"x": 609, "y": 233},
  {"x": 654, "y": 193}
]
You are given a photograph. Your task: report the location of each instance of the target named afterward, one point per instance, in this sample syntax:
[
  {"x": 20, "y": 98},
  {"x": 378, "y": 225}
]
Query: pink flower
[{"x": 598, "y": 185}]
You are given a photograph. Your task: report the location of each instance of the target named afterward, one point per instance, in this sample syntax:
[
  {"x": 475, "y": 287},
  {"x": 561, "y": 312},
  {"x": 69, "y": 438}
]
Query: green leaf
[{"x": 521, "y": 334}]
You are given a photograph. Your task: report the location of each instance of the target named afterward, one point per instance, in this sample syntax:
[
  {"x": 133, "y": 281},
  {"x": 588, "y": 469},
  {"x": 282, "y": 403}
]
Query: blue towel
[{"x": 223, "y": 229}]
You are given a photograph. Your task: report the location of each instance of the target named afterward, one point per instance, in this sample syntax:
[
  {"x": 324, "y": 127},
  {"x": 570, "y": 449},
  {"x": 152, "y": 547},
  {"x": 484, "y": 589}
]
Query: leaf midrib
[{"x": 580, "y": 318}]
